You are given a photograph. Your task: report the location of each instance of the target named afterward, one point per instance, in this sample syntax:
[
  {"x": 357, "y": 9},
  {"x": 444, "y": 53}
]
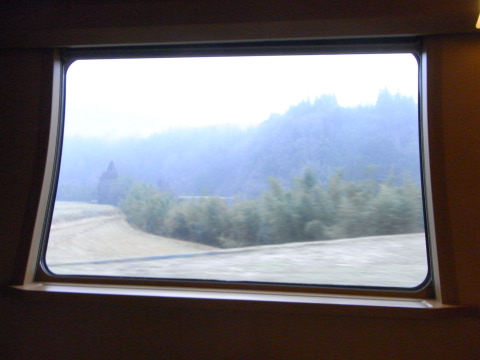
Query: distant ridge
[{"x": 377, "y": 142}]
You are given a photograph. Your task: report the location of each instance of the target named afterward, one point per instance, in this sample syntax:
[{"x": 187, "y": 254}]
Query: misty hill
[{"x": 379, "y": 142}]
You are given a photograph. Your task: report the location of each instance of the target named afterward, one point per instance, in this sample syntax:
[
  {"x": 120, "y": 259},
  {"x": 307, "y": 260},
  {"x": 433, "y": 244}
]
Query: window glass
[{"x": 284, "y": 169}]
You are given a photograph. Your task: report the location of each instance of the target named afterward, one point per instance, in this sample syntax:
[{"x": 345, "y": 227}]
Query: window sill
[{"x": 328, "y": 305}]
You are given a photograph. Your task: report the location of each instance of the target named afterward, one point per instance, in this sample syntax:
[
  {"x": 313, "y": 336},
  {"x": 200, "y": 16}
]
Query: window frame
[{"x": 36, "y": 269}]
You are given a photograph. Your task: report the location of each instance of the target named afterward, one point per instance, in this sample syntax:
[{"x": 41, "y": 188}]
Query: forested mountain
[{"x": 375, "y": 142}]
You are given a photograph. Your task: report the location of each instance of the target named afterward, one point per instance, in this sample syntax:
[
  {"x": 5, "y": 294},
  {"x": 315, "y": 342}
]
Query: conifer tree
[{"x": 107, "y": 186}]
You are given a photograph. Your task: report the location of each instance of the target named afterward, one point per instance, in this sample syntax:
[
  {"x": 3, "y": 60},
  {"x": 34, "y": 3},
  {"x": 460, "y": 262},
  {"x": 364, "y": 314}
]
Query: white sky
[{"x": 114, "y": 99}]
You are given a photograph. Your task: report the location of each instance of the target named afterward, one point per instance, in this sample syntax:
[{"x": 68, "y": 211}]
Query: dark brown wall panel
[{"x": 25, "y": 102}]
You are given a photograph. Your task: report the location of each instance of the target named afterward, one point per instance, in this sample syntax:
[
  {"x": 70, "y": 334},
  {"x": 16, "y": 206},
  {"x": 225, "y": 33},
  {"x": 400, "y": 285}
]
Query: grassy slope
[{"x": 91, "y": 233}]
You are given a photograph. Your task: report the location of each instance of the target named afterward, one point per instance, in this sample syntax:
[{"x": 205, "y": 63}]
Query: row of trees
[{"x": 307, "y": 211}]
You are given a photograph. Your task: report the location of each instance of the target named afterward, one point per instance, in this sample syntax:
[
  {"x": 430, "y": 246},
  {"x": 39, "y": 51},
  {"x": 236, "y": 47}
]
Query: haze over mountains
[{"x": 378, "y": 142}]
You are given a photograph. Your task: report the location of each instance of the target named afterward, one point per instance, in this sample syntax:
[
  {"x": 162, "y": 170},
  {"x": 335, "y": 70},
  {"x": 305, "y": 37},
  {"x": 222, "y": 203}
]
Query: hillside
[{"x": 375, "y": 142}]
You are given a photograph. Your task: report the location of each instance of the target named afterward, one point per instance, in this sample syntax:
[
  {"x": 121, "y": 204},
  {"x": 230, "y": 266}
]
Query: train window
[{"x": 281, "y": 167}]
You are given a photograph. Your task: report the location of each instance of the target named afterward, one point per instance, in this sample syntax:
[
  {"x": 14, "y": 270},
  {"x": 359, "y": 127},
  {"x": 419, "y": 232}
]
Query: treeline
[{"x": 305, "y": 212}]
